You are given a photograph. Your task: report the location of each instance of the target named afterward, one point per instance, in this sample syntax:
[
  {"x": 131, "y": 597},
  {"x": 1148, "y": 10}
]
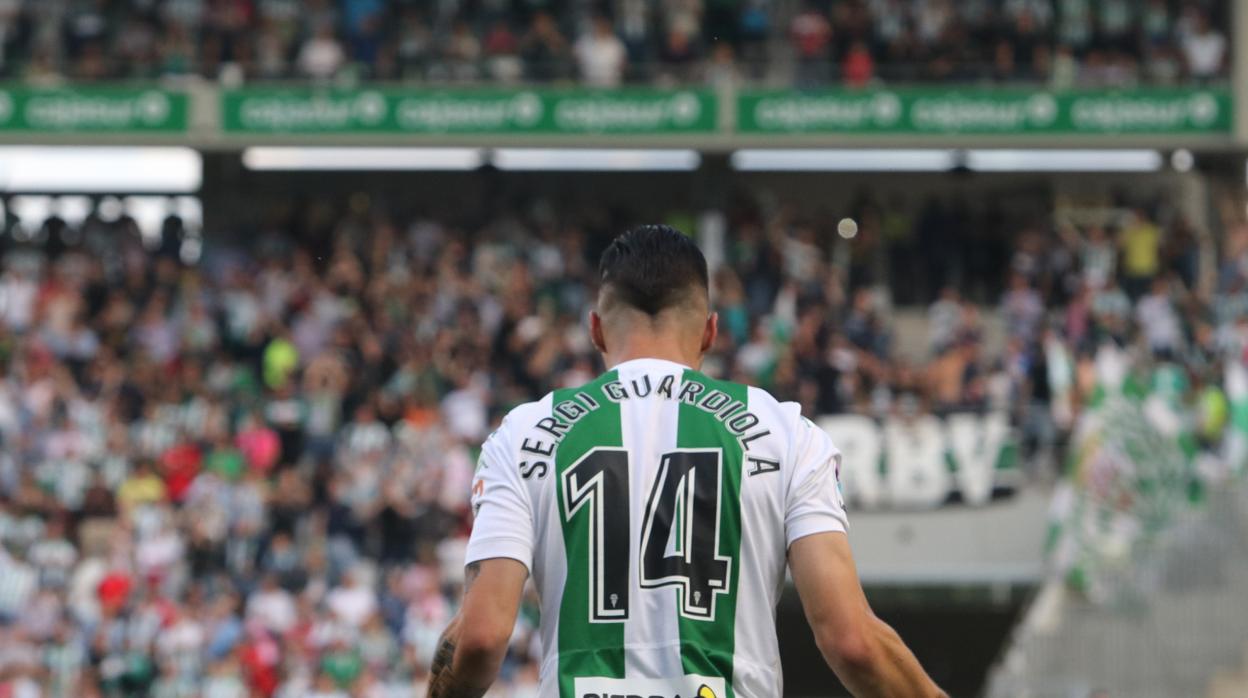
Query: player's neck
[{"x": 651, "y": 348}]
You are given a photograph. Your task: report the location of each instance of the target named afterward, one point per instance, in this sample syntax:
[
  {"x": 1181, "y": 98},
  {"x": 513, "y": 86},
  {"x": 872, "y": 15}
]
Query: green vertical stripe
[
  {"x": 585, "y": 648},
  {"x": 707, "y": 646}
]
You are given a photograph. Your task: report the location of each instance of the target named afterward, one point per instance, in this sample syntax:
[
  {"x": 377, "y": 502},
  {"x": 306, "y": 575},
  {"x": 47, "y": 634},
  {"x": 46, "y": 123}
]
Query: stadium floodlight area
[
  {"x": 597, "y": 159},
  {"x": 282, "y": 158},
  {"x": 100, "y": 169},
  {"x": 843, "y": 160},
  {"x": 1045, "y": 160}
]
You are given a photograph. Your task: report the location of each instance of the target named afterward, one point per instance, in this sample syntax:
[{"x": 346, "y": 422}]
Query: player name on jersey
[{"x": 742, "y": 423}]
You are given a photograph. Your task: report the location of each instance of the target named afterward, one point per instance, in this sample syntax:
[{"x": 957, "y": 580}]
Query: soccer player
[{"x": 656, "y": 509}]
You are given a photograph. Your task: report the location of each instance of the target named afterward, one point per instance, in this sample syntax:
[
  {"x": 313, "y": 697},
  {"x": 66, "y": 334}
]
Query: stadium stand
[{"x": 1062, "y": 43}]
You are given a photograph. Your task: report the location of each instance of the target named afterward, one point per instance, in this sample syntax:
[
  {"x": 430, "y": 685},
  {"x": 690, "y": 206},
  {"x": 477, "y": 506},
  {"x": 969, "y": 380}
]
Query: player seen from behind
[{"x": 656, "y": 509}]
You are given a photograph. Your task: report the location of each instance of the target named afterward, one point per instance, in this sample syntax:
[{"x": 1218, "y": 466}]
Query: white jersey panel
[{"x": 651, "y": 636}]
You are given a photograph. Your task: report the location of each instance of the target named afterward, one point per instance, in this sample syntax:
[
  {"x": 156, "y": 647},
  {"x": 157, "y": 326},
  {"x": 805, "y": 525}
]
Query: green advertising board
[
  {"x": 986, "y": 112},
  {"x": 92, "y": 110},
  {"x": 413, "y": 111},
  {"x": 138, "y": 111}
]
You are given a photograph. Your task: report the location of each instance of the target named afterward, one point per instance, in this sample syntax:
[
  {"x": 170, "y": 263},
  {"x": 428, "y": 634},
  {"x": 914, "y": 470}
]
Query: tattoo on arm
[
  {"x": 443, "y": 657},
  {"x": 443, "y": 683},
  {"x": 470, "y": 574}
]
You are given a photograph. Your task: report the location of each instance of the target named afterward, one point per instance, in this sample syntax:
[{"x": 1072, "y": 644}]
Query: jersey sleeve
[
  {"x": 503, "y": 519},
  {"x": 813, "y": 501}
]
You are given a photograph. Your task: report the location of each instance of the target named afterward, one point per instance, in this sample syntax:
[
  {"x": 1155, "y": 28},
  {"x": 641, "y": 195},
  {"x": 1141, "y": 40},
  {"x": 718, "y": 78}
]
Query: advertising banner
[
  {"x": 925, "y": 461},
  {"x": 93, "y": 110},
  {"x": 487, "y": 111},
  {"x": 986, "y": 111}
]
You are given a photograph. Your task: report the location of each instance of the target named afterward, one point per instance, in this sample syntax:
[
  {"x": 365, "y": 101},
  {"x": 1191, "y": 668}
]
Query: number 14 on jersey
[{"x": 679, "y": 532}]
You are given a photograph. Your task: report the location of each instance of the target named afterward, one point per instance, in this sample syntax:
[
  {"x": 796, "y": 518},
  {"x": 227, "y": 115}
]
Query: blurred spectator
[
  {"x": 1158, "y": 320},
  {"x": 723, "y": 70},
  {"x": 1111, "y": 308},
  {"x": 1063, "y": 69},
  {"x": 1141, "y": 253},
  {"x": 351, "y": 602},
  {"x": 679, "y": 55},
  {"x": 321, "y": 56},
  {"x": 462, "y": 54},
  {"x": 600, "y": 55},
  {"x": 858, "y": 67},
  {"x": 812, "y": 39},
  {"x": 943, "y": 319},
  {"x": 272, "y": 606},
  {"x": 1098, "y": 257},
  {"x": 501, "y": 48},
  {"x": 1204, "y": 47},
  {"x": 1022, "y": 309},
  {"x": 545, "y": 50}
]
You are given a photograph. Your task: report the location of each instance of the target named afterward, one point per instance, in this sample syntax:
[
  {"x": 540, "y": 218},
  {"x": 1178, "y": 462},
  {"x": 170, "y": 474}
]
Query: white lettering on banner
[
  {"x": 916, "y": 475},
  {"x": 903, "y": 463},
  {"x": 976, "y": 445},
  {"x": 689, "y": 686},
  {"x": 858, "y": 438}
]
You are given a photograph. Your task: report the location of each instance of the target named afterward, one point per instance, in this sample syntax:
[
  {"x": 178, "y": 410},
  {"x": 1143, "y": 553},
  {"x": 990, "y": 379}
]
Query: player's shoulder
[
  {"x": 797, "y": 432},
  {"x": 563, "y": 405},
  {"x": 503, "y": 446},
  {"x": 525, "y": 414},
  {"x": 785, "y": 413}
]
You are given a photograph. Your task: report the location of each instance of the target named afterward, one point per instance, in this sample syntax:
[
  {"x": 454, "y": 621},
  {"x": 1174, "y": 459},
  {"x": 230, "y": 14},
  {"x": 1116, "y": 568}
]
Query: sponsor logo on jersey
[
  {"x": 478, "y": 489},
  {"x": 690, "y": 686}
]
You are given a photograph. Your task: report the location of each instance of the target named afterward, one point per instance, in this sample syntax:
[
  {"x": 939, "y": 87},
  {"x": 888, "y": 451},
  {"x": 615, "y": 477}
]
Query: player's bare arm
[
  {"x": 472, "y": 647},
  {"x": 866, "y": 654}
]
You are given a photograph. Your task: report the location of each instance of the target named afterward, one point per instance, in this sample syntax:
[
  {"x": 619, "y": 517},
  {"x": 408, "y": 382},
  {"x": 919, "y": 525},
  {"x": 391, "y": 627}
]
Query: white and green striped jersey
[{"x": 654, "y": 508}]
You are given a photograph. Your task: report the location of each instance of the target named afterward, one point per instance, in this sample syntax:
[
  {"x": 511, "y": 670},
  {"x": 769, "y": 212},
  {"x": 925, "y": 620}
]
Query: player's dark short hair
[{"x": 652, "y": 268}]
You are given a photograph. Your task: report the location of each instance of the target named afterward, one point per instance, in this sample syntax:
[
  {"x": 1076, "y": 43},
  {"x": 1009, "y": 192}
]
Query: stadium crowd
[
  {"x": 1064, "y": 43},
  {"x": 248, "y": 476}
]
